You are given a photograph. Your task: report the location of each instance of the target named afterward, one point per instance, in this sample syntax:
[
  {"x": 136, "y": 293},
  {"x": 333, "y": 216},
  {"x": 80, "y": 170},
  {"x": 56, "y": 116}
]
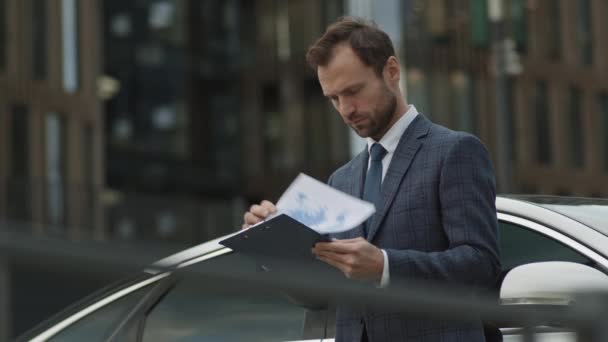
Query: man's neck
[{"x": 400, "y": 111}]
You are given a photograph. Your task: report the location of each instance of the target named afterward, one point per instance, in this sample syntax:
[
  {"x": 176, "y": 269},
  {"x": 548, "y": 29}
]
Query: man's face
[{"x": 362, "y": 97}]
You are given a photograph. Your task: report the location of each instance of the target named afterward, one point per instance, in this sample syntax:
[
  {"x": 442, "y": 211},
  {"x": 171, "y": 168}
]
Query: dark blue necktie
[{"x": 373, "y": 181}]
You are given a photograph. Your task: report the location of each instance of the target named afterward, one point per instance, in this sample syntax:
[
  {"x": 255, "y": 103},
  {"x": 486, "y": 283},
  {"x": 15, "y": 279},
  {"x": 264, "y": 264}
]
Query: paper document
[{"x": 321, "y": 207}]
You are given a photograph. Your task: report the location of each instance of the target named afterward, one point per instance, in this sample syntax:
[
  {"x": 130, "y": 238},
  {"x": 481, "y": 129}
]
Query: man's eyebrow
[{"x": 350, "y": 87}]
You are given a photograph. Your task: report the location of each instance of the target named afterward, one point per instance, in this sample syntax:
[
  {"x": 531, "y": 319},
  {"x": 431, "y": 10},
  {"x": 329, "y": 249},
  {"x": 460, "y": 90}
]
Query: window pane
[
  {"x": 520, "y": 245},
  {"x": 19, "y": 171},
  {"x": 585, "y": 32},
  {"x": 440, "y": 93},
  {"x": 87, "y": 189},
  {"x": 318, "y": 124},
  {"x": 480, "y": 26},
  {"x": 330, "y": 11},
  {"x": 39, "y": 39},
  {"x": 575, "y": 129},
  {"x": 462, "y": 96},
  {"x": 603, "y": 129},
  {"x": 3, "y": 23},
  {"x": 55, "y": 171},
  {"x": 511, "y": 123},
  {"x": 99, "y": 324},
  {"x": 273, "y": 126},
  {"x": 437, "y": 19},
  {"x": 70, "y": 33},
  {"x": 543, "y": 127},
  {"x": 519, "y": 22},
  {"x": 200, "y": 309},
  {"x": 418, "y": 89},
  {"x": 554, "y": 33}
]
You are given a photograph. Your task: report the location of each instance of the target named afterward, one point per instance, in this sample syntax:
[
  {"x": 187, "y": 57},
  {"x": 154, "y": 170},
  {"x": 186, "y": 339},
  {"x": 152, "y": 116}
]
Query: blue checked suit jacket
[{"x": 436, "y": 220}]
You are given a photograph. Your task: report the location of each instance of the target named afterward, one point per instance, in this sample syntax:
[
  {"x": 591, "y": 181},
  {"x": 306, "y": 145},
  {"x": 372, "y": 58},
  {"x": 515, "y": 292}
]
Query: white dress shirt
[{"x": 389, "y": 141}]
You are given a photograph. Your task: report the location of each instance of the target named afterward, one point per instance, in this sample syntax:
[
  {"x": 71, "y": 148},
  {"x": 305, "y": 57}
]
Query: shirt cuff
[{"x": 385, "y": 280}]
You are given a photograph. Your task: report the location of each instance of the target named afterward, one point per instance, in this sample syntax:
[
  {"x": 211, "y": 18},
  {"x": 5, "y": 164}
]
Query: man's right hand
[{"x": 258, "y": 213}]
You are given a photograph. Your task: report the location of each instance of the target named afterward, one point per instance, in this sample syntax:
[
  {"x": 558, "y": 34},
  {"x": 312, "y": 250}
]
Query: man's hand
[
  {"x": 356, "y": 258},
  {"x": 258, "y": 213}
]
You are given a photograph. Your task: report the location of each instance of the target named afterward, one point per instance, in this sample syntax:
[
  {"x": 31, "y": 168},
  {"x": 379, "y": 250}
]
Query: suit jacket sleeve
[{"x": 467, "y": 194}]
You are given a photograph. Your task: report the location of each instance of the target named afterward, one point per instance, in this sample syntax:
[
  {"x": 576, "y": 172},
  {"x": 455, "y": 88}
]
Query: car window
[
  {"x": 521, "y": 245},
  {"x": 202, "y": 309},
  {"x": 99, "y": 324}
]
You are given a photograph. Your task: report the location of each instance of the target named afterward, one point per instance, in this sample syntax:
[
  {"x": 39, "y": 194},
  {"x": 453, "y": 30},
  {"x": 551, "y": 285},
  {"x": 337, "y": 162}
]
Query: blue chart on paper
[{"x": 315, "y": 216}]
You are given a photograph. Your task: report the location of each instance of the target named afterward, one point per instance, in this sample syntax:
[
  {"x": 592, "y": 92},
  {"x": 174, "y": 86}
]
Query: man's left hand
[{"x": 356, "y": 258}]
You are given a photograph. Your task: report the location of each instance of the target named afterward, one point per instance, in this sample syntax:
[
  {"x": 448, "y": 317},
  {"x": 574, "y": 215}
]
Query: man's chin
[
  {"x": 361, "y": 132},
  {"x": 365, "y": 133}
]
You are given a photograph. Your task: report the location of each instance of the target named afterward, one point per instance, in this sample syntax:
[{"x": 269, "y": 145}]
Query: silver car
[{"x": 161, "y": 304}]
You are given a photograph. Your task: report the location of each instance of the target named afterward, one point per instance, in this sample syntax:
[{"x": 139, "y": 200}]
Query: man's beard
[{"x": 384, "y": 117}]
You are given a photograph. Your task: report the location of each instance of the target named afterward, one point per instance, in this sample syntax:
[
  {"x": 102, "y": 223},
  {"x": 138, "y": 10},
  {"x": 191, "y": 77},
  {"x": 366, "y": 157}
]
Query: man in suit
[{"x": 433, "y": 188}]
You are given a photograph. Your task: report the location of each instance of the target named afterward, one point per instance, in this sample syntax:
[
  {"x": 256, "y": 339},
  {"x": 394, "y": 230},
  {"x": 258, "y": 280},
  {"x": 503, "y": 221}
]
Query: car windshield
[{"x": 592, "y": 212}]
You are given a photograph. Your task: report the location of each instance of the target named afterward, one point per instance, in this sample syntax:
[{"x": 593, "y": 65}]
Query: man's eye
[{"x": 351, "y": 92}]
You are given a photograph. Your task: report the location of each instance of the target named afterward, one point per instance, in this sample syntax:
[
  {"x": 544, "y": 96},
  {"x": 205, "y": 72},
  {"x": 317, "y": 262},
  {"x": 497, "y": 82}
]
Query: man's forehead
[
  {"x": 340, "y": 54},
  {"x": 344, "y": 70}
]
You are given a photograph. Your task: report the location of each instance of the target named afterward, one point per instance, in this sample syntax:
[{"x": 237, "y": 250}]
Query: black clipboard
[
  {"x": 277, "y": 243},
  {"x": 282, "y": 247}
]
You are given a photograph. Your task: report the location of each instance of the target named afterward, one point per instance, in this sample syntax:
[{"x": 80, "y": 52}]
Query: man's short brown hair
[{"x": 370, "y": 44}]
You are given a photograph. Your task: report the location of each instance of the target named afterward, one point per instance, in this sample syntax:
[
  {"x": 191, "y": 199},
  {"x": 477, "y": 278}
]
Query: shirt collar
[{"x": 390, "y": 140}]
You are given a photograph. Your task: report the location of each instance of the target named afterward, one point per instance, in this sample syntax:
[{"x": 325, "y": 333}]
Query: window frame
[
  {"x": 602, "y": 110},
  {"x": 4, "y": 29},
  {"x": 138, "y": 313},
  {"x": 543, "y": 134},
  {"x": 560, "y": 237},
  {"x": 39, "y": 39},
  {"x": 97, "y": 301},
  {"x": 576, "y": 122}
]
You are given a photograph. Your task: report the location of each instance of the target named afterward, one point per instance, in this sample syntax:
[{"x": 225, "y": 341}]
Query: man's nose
[{"x": 346, "y": 108}]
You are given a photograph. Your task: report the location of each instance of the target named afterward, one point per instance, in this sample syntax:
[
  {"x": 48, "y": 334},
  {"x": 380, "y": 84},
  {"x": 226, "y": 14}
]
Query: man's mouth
[{"x": 358, "y": 122}]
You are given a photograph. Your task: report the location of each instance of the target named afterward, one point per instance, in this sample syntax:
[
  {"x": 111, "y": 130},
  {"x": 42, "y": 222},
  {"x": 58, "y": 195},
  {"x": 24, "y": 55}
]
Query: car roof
[
  {"x": 592, "y": 212},
  {"x": 523, "y": 207}
]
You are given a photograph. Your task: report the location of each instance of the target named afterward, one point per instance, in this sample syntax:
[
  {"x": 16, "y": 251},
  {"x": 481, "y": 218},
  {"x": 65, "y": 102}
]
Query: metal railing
[{"x": 585, "y": 316}]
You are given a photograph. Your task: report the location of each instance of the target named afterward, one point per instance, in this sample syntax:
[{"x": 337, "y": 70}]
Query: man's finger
[
  {"x": 259, "y": 211},
  {"x": 332, "y": 262},
  {"x": 358, "y": 239},
  {"x": 252, "y": 219},
  {"x": 341, "y": 259},
  {"x": 336, "y": 246},
  {"x": 269, "y": 206}
]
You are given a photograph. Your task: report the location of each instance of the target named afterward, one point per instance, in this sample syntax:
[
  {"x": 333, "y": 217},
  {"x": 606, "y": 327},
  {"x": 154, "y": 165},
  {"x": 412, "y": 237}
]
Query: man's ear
[{"x": 392, "y": 70}]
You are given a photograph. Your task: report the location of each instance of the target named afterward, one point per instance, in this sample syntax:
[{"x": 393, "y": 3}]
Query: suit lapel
[
  {"x": 358, "y": 171},
  {"x": 408, "y": 146}
]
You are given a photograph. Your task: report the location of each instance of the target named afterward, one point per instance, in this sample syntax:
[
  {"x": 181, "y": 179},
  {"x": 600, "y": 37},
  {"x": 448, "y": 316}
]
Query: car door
[{"x": 523, "y": 241}]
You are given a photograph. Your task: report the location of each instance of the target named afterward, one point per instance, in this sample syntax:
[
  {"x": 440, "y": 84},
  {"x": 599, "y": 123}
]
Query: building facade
[
  {"x": 152, "y": 120},
  {"x": 556, "y": 106},
  {"x": 216, "y": 110},
  {"x": 51, "y": 132},
  {"x": 158, "y": 120},
  {"x": 50, "y": 119},
  {"x": 162, "y": 120}
]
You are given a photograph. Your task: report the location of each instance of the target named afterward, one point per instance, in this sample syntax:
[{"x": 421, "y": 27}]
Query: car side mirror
[{"x": 550, "y": 283}]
